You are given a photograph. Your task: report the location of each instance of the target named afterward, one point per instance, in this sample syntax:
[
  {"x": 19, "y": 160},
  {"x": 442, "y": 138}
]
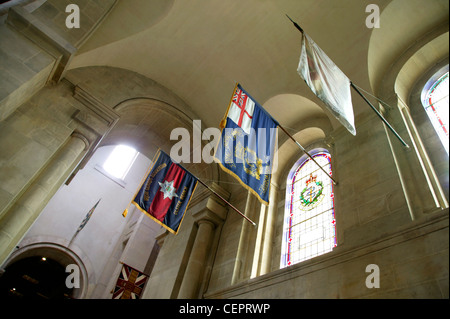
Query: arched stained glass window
[
  {"x": 309, "y": 222},
  {"x": 436, "y": 103}
]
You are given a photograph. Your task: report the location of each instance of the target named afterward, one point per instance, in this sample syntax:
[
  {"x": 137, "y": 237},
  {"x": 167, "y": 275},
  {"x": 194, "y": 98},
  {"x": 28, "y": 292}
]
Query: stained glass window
[
  {"x": 436, "y": 104},
  {"x": 309, "y": 222}
]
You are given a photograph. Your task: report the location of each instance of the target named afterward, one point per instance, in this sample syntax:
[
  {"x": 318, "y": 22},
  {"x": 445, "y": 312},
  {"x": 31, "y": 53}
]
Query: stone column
[
  {"x": 437, "y": 194},
  {"x": 207, "y": 220},
  {"x": 266, "y": 258},
  {"x": 195, "y": 266},
  {"x": 246, "y": 231},
  {"x": 257, "y": 254},
  {"x": 421, "y": 189},
  {"x": 16, "y": 222}
]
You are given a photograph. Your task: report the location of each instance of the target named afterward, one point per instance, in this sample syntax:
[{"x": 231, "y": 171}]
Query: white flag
[{"x": 327, "y": 81}]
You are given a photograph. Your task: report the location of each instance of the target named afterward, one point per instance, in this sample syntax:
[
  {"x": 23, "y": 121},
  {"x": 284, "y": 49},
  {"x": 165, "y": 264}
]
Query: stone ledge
[
  {"x": 43, "y": 36},
  {"x": 436, "y": 222}
]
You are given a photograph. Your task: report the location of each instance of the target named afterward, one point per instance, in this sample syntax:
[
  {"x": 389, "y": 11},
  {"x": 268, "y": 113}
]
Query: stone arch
[
  {"x": 425, "y": 58},
  {"x": 147, "y": 123},
  {"x": 310, "y": 124},
  {"x": 148, "y": 112},
  {"x": 289, "y": 153},
  {"x": 61, "y": 254},
  {"x": 412, "y": 29},
  {"x": 405, "y": 26},
  {"x": 409, "y": 85}
]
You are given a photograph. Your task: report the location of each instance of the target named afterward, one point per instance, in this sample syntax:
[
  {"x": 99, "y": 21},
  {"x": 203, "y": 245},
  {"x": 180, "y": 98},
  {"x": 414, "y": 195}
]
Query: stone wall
[
  {"x": 51, "y": 119},
  {"x": 36, "y": 46},
  {"x": 412, "y": 261},
  {"x": 108, "y": 239},
  {"x": 374, "y": 226},
  {"x": 44, "y": 131}
]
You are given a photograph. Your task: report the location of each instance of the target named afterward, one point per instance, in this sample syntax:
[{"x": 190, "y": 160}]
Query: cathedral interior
[{"x": 82, "y": 80}]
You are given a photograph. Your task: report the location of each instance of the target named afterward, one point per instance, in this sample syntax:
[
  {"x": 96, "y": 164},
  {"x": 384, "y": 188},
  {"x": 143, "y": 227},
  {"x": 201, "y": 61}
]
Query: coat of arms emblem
[{"x": 312, "y": 194}]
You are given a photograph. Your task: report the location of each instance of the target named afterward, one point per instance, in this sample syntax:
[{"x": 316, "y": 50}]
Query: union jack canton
[{"x": 130, "y": 283}]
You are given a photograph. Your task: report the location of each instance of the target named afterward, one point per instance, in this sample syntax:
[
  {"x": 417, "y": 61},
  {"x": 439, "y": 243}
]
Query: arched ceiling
[
  {"x": 287, "y": 109},
  {"x": 128, "y": 18},
  {"x": 429, "y": 55},
  {"x": 288, "y": 151},
  {"x": 403, "y": 22},
  {"x": 147, "y": 125},
  {"x": 199, "y": 49}
]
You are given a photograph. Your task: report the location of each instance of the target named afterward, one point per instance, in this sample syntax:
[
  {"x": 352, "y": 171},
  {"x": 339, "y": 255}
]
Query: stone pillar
[
  {"x": 195, "y": 266},
  {"x": 421, "y": 189},
  {"x": 207, "y": 219},
  {"x": 437, "y": 194},
  {"x": 246, "y": 231},
  {"x": 266, "y": 258},
  {"x": 257, "y": 254},
  {"x": 420, "y": 186},
  {"x": 16, "y": 222}
]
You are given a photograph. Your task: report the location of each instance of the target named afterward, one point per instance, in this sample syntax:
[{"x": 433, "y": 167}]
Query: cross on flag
[
  {"x": 130, "y": 283},
  {"x": 241, "y": 110},
  {"x": 247, "y": 145}
]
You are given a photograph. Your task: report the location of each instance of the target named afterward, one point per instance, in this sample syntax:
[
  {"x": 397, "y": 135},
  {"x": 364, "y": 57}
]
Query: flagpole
[
  {"x": 228, "y": 203},
  {"x": 295, "y": 24},
  {"x": 379, "y": 115},
  {"x": 309, "y": 155},
  {"x": 364, "y": 98},
  {"x": 301, "y": 147}
]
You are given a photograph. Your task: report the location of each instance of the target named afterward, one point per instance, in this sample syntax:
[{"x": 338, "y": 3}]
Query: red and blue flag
[{"x": 165, "y": 193}]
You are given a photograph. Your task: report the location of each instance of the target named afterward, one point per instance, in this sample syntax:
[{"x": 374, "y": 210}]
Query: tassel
[
  {"x": 223, "y": 123},
  {"x": 125, "y": 212}
]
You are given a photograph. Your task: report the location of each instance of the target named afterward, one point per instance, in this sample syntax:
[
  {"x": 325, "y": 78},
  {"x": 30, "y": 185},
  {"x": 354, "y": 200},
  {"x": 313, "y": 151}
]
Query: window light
[
  {"x": 309, "y": 222},
  {"x": 120, "y": 161},
  {"x": 436, "y": 104}
]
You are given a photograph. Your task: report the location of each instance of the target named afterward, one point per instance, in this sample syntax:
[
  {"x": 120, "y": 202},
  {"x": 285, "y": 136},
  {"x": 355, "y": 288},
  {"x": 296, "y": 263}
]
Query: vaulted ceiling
[{"x": 198, "y": 49}]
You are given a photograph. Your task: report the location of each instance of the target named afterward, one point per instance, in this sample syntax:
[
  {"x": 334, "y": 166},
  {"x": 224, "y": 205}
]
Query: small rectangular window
[{"x": 120, "y": 161}]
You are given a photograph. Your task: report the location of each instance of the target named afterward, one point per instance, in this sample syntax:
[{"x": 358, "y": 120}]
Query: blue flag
[
  {"x": 165, "y": 193},
  {"x": 247, "y": 144}
]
